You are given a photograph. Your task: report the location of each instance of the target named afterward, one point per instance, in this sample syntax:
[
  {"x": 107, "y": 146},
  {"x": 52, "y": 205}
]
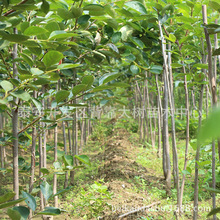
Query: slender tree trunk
[
  {"x": 166, "y": 152},
  {"x": 196, "y": 186},
  {"x": 55, "y": 159},
  {"x": 214, "y": 97},
  {"x": 140, "y": 116},
  {"x": 15, "y": 127},
  {"x": 69, "y": 137},
  {"x": 44, "y": 134},
  {"x": 187, "y": 135},
  {"x": 196, "y": 182},
  {"x": 1, "y": 146},
  {"x": 40, "y": 148},
  {"x": 33, "y": 158},
  {"x": 167, "y": 94},
  {"x": 145, "y": 112},
  {"x": 159, "y": 117},
  {"x": 74, "y": 142},
  {"x": 33, "y": 146},
  {"x": 148, "y": 105},
  {"x": 215, "y": 74},
  {"x": 65, "y": 150}
]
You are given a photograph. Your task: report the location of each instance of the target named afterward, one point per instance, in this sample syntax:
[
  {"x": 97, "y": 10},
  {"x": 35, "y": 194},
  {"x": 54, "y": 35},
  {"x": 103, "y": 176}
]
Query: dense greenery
[{"x": 64, "y": 62}]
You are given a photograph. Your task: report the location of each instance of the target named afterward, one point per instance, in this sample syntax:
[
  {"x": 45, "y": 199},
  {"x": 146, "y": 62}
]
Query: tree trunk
[
  {"x": 167, "y": 94},
  {"x": 15, "y": 127},
  {"x": 1, "y": 146},
  {"x": 159, "y": 116},
  {"x": 40, "y": 163},
  {"x": 196, "y": 181},
  {"x": 55, "y": 175},
  {"x": 65, "y": 150},
  {"x": 212, "y": 81},
  {"x": 187, "y": 135}
]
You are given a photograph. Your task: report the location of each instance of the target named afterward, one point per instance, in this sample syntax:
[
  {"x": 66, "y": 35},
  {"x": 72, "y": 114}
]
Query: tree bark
[
  {"x": 15, "y": 127},
  {"x": 65, "y": 150},
  {"x": 212, "y": 81},
  {"x": 196, "y": 182}
]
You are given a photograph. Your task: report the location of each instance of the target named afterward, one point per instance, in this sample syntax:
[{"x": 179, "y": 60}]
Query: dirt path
[{"x": 128, "y": 180}]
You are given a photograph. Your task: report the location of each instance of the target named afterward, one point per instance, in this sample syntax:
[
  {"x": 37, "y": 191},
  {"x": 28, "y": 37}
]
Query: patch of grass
[{"x": 90, "y": 201}]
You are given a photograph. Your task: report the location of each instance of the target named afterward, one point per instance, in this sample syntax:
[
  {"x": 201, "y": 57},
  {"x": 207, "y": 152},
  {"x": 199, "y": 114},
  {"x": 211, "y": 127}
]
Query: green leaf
[
  {"x": 95, "y": 9},
  {"x": 68, "y": 160},
  {"x": 14, "y": 214},
  {"x": 88, "y": 80},
  {"x": 65, "y": 14},
  {"x": 50, "y": 211},
  {"x": 11, "y": 203},
  {"x": 126, "y": 31},
  {"x": 6, "y": 85},
  {"x": 6, "y": 197},
  {"x": 137, "y": 6},
  {"x": 101, "y": 88},
  {"x": 14, "y": 21},
  {"x": 176, "y": 65},
  {"x": 78, "y": 88},
  {"x": 62, "y": 95},
  {"x": 61, "y": 35},
  {"x": 214, "y": 5},
  {"x": 171, "y": 38},
  {"x": 44, "y": 170},
  {"x": 64, "y": 66},
  {"x": 201, "y": 65},
  {"x": 110, "y": 10},
  {"x": 27, "y": 59},
  {"x": 41, "y": 81},
  {"x": 168, "y": 7},
  {"x": 108, "y": 77},
  {"x": 52, "y": 26},
  {"x": 17, "y": 38},
  {"x": 116, "y": 37},
  {"x": 83, "y": 158},
  {"x": 76, "y": 12},
  {"x": 203, "y": 163},
  {"x": 30, "y": 201},
  {"x": 211, "y": 128},
  {"x": 3, "y": 101},
  {"x": 36, "y": 71},
  {"x": 35, "y": 30},
  {"x": 134, "y": 69},
  {"x": 46, "y": 189},
  {"x": 214, "y": 211},
  {"x": 24, "y": 26},
  {"x": 83, "y": 19},
  {"x": 21, "y": 94},
  {"x": 52, "y": 57},
  {"x": 45, "y": 7},
  {"x": 156, "y": 69}
]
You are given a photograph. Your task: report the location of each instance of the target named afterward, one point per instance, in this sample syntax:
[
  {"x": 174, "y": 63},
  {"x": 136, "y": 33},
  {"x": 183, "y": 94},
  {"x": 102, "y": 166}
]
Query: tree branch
[{"x": 12, "y": 10}]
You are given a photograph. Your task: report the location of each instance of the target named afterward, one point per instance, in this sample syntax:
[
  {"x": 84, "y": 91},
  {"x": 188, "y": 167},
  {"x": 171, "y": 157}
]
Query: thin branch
[{"x": 12, "y": 10}]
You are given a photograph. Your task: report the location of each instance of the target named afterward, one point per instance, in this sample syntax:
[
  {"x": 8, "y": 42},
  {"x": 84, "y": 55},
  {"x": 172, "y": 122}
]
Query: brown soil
[{"x": 119, "y": 172}]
